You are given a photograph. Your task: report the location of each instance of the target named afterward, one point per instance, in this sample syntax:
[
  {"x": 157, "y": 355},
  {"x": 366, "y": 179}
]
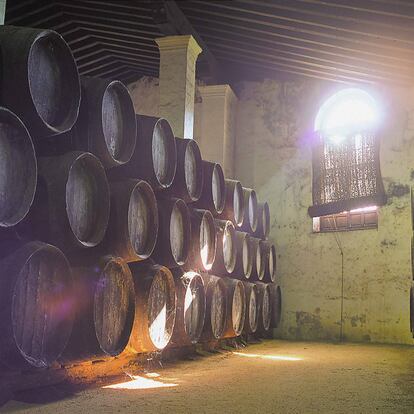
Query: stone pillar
[
  {"x": 2, "y": 11},
  {"x": 178, "y": 55},
  {"x": 217, "y": 125}
]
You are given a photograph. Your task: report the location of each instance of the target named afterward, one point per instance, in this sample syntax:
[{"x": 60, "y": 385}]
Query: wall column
[
  {"x": 217, "y": 125},
  {"x": 2, "y": 11},
  {"x": 178, "y": 56}
]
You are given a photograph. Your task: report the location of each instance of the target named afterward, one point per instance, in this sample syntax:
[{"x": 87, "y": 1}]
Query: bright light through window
[{"x": 347, "y": 112}]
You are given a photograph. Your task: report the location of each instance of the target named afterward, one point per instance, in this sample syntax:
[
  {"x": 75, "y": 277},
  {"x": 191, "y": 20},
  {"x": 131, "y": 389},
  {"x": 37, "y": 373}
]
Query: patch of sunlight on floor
[
  {"x": 141, "y": 383},
  {"x": 272, "y": 357}
]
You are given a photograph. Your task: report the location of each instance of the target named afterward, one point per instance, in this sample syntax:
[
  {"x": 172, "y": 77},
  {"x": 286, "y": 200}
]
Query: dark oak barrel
[
  {"x": 133, "y": 221},
  {"x": 155, "y": 155},
  {"x": 213, "y": 196},
  {"x": 236, "y": 307},
  {"x": 226, "y": 248},
  {"x": 234, "y": 203},
  {"x": 203, "y": 241},
  {"x": 174, "y": 233},
  {"x": 188, "y": 180},
  {"x": 155, "y": 303},
  {"x": 252, "y": 308},
  {"x": 268, "y": 253},
  {"x": 216, "y": 308},
  {"x": 36, "y": 306},
  {"x": 265, "y": 309},
  {"x": 104, "y": 310},
  {"x": 244, "y": 260},
  {"x": 276, "y": 300},
  {"x": 259, "y": 259},
  {"x": 71, "y": 207},
  {"x": 263, "y": 221},
  {"x": 18, "y": 169},
  {"x": 190, "y": 309},
  {"x": 39, "y": 79},
  {"x": 250, "y": 211},
  {"x": 106, "y": 126}
]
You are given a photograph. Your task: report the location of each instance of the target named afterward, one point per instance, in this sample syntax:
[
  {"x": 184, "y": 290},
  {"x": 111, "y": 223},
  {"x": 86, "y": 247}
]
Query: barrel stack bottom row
[{"x": 116, "y": 237}]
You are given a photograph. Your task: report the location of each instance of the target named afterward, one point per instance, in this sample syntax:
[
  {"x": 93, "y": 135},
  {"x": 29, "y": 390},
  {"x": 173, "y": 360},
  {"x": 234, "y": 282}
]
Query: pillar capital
[
  {"x": 183, "y": 42},
  {"x": 224, "y": 91},
  {"x": 178, "y": 56}
]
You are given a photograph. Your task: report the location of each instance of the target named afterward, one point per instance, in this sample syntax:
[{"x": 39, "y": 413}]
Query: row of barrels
[
  {"x": 114, "y": 234},
  {"x": 51, "y": 312}
]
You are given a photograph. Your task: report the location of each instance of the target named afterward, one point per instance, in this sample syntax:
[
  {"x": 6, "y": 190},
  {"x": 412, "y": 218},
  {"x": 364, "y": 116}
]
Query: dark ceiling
[{"x": 340, "y": 40}]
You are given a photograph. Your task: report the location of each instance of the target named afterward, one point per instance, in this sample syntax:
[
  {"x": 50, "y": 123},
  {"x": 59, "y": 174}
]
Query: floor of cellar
[{"x": 271, "y": 377}]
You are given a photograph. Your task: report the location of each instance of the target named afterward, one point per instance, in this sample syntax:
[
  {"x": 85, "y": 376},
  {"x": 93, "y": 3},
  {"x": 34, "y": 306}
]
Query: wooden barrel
[
  {"x": 265, "y": 309},
  {"x": 250, "y": 211},
  {"x": 188, "y": 180},
  {"x": 216, "y": 308},
  {"x": 71, "y": 207},
  {"x": 106, "y": 126},
  {"x": 155, "y": 156},
  {"x": 133, "y": 222},
  {"x": 18, "y": 169},
  {"x": 36, "y": 312},
  {"x": 226, "y": 248},
  {"x": 234, "y": 203},
  {"x": 252, "y": 308},
  {"x": 263, "y": 221},
  {"x": 259, "y": 259},
  {"x": 155, "y": 303},
  {"x": 244, "y": 260},
  {"x": 40, "y": 80},
  {"x": 104, "y": 310},
  {"x": 276, "y": 300},
  {"x": 236, "y": 307},
  {"x": 190, "y": 309},
  {"x": 268, "y": 253},
  {"x": 174, "y": 233},
  {"x": 213, "y": 196},
  {"x": 203, "y": 241}
]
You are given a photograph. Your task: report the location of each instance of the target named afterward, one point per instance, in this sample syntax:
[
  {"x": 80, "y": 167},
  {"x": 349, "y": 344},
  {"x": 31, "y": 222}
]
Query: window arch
[{"x": 345, "y": 166}]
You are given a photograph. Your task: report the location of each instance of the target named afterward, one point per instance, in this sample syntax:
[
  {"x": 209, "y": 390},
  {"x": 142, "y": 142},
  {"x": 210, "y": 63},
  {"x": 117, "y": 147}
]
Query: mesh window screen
[{"x": 346, "y": 175}]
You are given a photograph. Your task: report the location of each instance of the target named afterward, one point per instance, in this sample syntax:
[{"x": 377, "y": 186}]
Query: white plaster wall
[
  {"x": 145, "y": 96},
  {"x": 273, "y": 154}
]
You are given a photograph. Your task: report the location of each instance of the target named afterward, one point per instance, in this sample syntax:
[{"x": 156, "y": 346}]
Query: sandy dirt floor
[{"x": 271, "y": 377}]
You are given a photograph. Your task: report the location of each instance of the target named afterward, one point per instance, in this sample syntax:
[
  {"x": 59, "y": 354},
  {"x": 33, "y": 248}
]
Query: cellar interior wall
[{"x": 272, "y": 153}]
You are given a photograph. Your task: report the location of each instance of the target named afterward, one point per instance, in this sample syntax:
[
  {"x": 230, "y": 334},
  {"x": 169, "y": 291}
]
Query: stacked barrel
[{"x": 115, "y": 235}]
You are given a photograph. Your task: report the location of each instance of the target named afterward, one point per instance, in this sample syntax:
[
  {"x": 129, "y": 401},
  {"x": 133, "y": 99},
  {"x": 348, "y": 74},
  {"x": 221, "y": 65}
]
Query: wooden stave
[
  {"x": 209, "y": 283},
  {"x": 31, "y": 162},
  {"x": 219, "y": 267},
  {"x": 162, "y": 252},
  {"x": 16, "y": 44},
  {"x": 248, "y": 226},
  {"x": 248, "y": 328},
  {"x": 206, "y": 200},
  {"x": 263, "y": 228},
  {"x": 141, "y": 164},
  {"x": 10, "y": 353},
  {"x": 117, "y": 239},
  {"x": 239, "y": 269},
  {"x": 51, "y": 224},
  {"x": 231, "y": 284},
  {"x": 179, "y": 187},
  {"x": 264, "y": 329},
  {"x": 84, "y": 344},
  {"x": 183, "y": 281},
  {"x": 143, "y": 274},
  {"x": 194, "y": 260}
]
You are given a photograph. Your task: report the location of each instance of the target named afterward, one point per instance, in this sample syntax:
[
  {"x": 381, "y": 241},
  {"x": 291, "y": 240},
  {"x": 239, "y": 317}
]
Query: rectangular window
[{"x": 359, "y": 219}]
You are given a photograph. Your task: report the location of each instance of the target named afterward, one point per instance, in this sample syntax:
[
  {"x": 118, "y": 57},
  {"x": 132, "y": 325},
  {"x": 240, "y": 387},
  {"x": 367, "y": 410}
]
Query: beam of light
[
  {"x": 157, "y": 328},
  {"x": 272, "y": 357},
  {"x": 140, "y": 383},
  {"x": 204, "y": 253}
]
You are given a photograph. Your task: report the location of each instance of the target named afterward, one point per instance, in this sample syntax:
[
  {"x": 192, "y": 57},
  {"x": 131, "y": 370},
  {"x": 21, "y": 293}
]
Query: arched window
[{"x": 345, "y": 164}]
